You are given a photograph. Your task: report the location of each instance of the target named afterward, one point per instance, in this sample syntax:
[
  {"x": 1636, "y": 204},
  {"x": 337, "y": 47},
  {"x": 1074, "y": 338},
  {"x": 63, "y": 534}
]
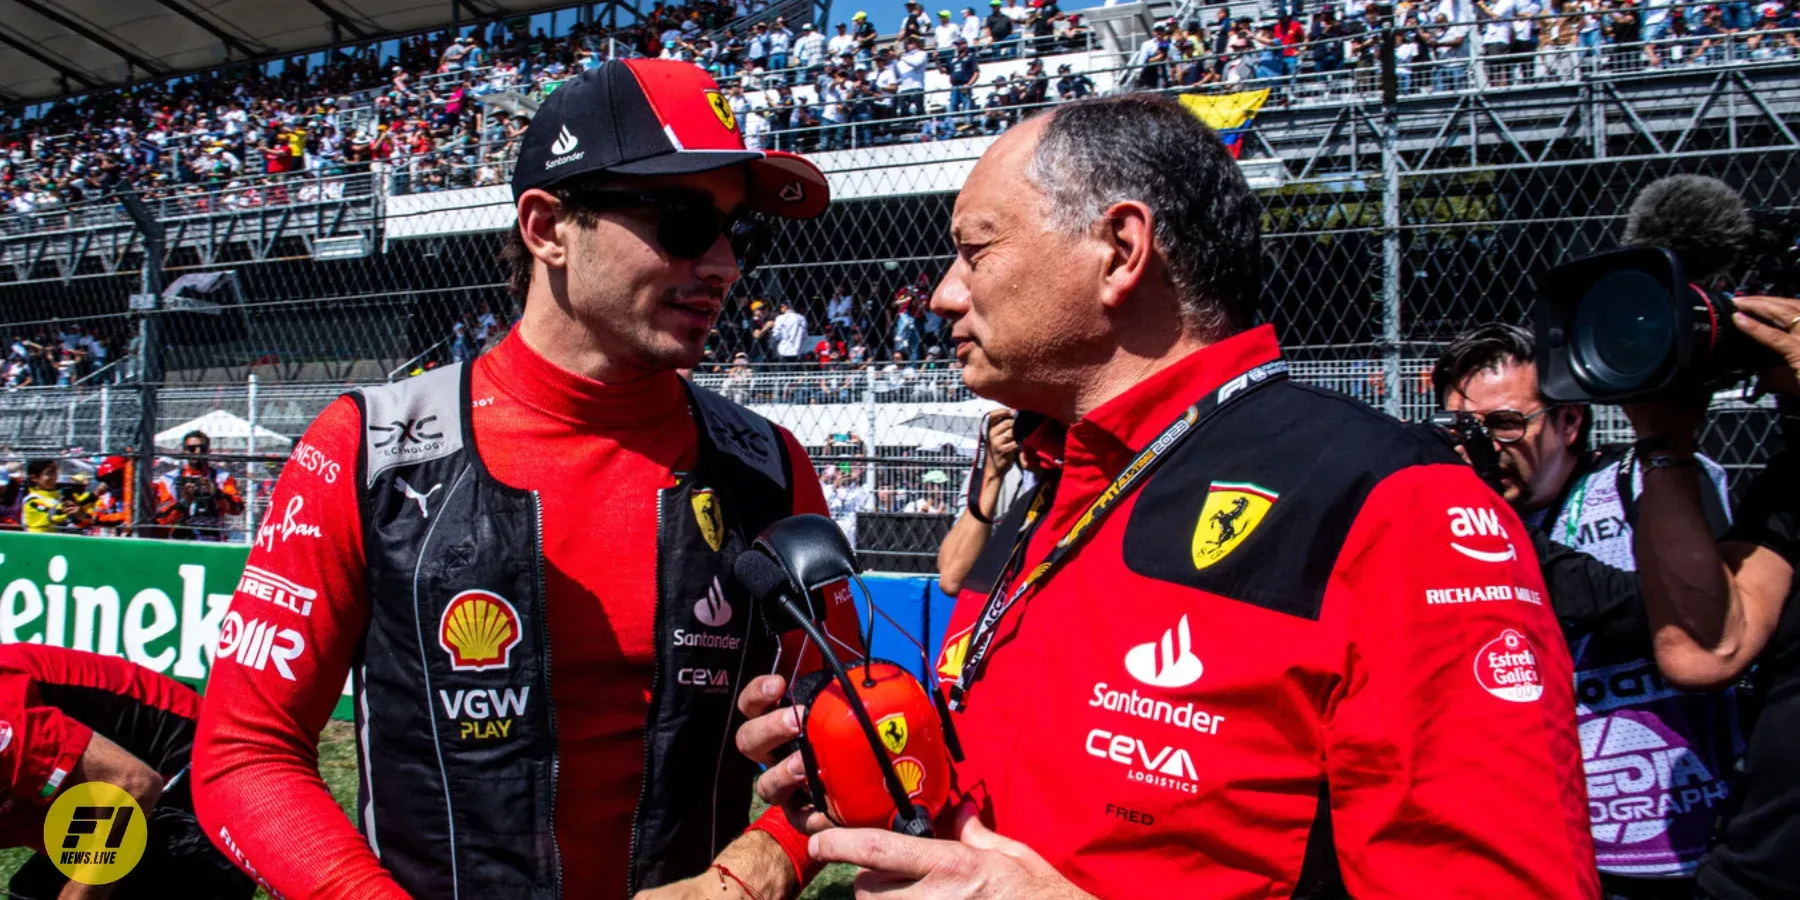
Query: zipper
[
  {"x": 637, "y": 812},
  {"x": 537, "y": 514}
]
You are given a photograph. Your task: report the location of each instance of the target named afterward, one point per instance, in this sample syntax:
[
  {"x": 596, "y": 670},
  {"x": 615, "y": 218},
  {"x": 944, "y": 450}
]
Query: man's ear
[
  {"x": 1127, "y": 231},
  {"x": 538, "y": 217},
  {"x": 1569, "y": 420}
]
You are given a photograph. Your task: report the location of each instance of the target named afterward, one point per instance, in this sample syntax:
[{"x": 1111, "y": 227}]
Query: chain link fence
[{"x": 1388, "y": 230}]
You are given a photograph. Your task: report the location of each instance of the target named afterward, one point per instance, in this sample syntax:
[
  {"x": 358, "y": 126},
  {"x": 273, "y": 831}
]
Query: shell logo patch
[
  {"x": 912, "y": 775},
  {"x": 479, "y": 630},
  {"x": 722, "y": 108},
  {"x": 950, "y": 659},
  {"x": 1232, "y": 511}
]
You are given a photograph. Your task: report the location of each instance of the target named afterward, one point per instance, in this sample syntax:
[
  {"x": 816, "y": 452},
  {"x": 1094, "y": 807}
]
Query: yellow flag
[{"x": 1223, "y": 112}]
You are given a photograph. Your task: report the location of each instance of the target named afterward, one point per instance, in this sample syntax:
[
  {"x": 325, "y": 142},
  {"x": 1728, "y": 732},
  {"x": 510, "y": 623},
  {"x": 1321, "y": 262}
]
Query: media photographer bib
[{"x": 1659, "y": 761}]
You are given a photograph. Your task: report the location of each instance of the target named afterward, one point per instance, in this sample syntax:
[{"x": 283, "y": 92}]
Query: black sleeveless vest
[{"x": 455, "y": 726}]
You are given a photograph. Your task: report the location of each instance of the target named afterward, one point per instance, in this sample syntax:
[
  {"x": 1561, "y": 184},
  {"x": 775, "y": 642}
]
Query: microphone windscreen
[
  {"x": 759, "y": 575},
  {"x": 1701, "y": 220}
]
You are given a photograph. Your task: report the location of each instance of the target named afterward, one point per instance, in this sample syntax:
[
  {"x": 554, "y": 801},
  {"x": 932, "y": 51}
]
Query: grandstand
[{"x": 353, "y": 238}]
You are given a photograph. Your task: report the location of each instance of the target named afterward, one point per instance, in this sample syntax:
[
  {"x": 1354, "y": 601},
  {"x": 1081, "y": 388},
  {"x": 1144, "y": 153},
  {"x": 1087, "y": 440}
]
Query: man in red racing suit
[{"x": 598, "y": 424}]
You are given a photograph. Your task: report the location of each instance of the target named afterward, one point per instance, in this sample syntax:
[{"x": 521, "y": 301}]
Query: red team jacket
[
  {"x": 51, "y": 702},
  {"x": 1311, "y": 646},
  {"x": 598, "y": 453}
]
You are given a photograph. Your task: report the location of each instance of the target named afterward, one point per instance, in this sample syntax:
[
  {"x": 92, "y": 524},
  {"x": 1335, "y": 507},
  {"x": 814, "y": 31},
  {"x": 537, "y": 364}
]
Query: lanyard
[{"x": 1005, "y": 596}]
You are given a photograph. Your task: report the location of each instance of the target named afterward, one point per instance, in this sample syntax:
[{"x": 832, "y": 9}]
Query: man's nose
[{"x": 951, "y": 298}]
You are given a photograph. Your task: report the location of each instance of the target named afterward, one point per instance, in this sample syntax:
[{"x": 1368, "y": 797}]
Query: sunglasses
[
  {"x": 195, "y": 448},
  {"x": 1508, "y": 426},
  {"x": 687, "y": 225}
]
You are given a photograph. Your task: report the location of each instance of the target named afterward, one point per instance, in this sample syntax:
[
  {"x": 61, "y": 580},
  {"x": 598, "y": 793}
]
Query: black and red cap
[{"x": 657, "y": 117}]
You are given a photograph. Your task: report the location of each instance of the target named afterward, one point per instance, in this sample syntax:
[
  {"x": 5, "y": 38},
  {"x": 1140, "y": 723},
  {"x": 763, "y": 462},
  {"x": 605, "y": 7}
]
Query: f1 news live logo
[{"x": 95, "y": 833}]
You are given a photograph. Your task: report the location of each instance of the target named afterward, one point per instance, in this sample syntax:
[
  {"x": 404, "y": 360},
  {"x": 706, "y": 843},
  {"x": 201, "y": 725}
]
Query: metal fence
[{"x": 1388, "y": 229}]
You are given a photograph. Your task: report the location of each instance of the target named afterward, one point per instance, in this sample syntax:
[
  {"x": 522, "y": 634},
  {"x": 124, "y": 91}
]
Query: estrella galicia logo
[{"x": 405, "y": 437}]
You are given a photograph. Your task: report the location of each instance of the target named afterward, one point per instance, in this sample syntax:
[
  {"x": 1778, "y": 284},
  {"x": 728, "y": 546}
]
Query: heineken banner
[{"x": 156, "y": 603}]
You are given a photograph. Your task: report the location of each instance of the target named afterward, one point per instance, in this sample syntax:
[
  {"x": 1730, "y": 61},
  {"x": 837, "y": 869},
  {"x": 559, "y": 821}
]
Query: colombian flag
[{"x": 1227, "y": 114}]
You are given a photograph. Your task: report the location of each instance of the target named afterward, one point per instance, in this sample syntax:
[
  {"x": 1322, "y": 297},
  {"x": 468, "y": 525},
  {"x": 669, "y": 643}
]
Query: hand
[
  {"x": 1754, "y": 317},
  {"x": 979, "y": 864},
  {"x": 770, "y": 728},
  {"x": 1003, "y": 448}
]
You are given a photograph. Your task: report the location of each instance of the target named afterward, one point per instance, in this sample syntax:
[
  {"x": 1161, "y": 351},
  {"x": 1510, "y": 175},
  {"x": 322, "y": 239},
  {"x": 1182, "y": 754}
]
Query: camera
[
  {"x": 1630, "y": 323},
  {"x": 1637, "y": 322},
  {"x": 1463, "y": 431}
]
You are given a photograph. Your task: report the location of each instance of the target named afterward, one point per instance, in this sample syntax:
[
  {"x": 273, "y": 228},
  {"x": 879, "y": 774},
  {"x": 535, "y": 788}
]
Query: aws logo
[
  {"x": 1480, "y": 522},
  {"x": 1231, "y": 512}
]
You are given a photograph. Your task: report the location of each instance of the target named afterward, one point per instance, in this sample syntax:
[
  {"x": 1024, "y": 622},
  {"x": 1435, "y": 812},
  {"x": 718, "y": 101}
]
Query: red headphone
[{"x": 878, "y": 745}]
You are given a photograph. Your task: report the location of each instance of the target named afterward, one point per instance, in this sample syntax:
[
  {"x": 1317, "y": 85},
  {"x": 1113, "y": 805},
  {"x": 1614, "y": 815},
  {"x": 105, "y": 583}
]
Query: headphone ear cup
[
  {"x": 815, "y": 786},
  {"x": 808, "y": 686}
]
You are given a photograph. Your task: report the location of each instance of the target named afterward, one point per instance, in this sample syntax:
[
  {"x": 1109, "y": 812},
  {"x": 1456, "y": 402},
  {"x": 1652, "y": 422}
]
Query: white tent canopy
[
  {"x": 230, "y": 433},
  {"x": 894, "y": 425}
]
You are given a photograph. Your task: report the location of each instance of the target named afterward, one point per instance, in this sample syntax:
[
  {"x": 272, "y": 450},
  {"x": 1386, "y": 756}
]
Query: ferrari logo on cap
[
  {"x": 707, "y": 516},
  {"x": 1231, "y": 512},
  {"x": 722, "y": 108},
  {"x": 893, "y": 732}
]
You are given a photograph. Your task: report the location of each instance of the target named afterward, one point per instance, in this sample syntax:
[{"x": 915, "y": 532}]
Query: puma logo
[{"x": 417, "y": 497}]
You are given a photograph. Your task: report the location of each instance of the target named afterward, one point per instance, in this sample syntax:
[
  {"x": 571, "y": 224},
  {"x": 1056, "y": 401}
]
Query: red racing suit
[
  {"x": 598, "y": 453},
  {"x": 1310, "y": 655}
]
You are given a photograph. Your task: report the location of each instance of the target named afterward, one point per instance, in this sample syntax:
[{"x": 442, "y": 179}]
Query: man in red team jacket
[
  {"x": 524, "y": 560},
  {"x": 68, "y": 717},
  {"x": 1257, "y": 639}
]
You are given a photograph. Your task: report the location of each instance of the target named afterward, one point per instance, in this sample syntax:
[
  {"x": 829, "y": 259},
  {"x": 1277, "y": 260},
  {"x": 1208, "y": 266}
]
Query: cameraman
[
  {"x": 195, "y": 500},
  {"x": 1716, "y": 607},
  {"x": 1002, "y": 480},
  {"x": 1650, "y": 830}
]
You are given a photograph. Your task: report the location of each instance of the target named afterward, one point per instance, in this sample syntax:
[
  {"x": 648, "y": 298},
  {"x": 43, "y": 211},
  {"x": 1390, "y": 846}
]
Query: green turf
[{"x": 337, "y": 762}]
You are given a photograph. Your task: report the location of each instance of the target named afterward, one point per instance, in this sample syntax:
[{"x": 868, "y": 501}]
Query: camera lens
[{"x": 1624, "y": 330}]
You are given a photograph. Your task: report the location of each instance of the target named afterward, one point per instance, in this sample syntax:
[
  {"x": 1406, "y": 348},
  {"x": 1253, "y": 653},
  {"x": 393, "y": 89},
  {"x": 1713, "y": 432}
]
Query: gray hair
[{"x": 1097, "y": 152}]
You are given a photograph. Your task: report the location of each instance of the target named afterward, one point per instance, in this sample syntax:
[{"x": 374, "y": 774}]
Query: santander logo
[
  {"x": 564, "y": 142},
  {"x": 1169, "y": 663}
]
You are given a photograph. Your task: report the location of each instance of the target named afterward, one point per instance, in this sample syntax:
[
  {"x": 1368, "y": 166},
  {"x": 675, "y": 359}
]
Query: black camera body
[
  {"x": 1464, "y": 431},
  {"x": 1630, "y": 323}
]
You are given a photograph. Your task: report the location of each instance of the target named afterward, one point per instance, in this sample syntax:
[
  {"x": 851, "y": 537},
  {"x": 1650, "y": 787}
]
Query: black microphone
[
  {"x": 1701, "y": 220},
  {"x": 770, "y": 590}
]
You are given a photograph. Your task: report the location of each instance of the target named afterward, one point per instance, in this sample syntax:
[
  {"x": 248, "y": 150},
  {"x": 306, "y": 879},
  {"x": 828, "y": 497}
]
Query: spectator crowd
[{"x": 414, "y": 107}]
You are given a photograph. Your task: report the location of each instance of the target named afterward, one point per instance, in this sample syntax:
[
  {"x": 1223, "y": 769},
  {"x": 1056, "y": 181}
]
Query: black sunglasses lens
[
  {"x": 750, "y": 242},
  {"x": 687, "y": 233},
  {"x": 1505, "y": 426}
]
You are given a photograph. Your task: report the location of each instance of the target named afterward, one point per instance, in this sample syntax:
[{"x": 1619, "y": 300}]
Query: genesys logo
[
  {"x": 1476, "y": 533},
  {"x": 269, "y": 587},
  {"x": 1507, "y": 667},
  {"x": 1170, "y": 768},
  {"x": 1166, "y": 663},
  {"x": 479, "y": 629},
  {"x": 257, "y": 644},
  {"x": 314, "y": 460}
]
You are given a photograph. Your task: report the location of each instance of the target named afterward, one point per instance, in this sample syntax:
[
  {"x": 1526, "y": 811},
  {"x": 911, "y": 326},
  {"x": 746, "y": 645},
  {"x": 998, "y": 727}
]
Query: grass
[{"x": 337, "y": 763}]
